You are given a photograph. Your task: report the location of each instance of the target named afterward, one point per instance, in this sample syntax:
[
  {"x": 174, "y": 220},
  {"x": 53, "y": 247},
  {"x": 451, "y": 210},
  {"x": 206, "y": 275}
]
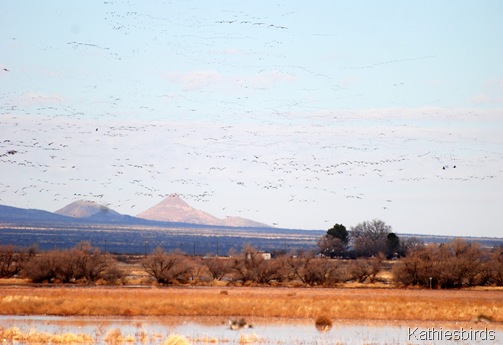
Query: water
[{"x": 150, "y": 330}]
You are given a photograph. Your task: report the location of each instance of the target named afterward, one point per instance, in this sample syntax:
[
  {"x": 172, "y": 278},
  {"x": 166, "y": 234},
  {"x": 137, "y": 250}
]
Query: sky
[{"x": 295, "y": 114}]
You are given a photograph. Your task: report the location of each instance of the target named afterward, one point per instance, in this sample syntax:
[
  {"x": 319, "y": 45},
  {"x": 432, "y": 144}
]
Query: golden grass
[
  {"x": 113, "y": 337},
  {"x": 209, "y": 340},
  {"x": 176, "y": 339},
  {"x": 14, "y": 281},
  {"x": 349, "y": 304},
  {"x": 15, "y": 334},
  {"x": 250, "y": 339}
]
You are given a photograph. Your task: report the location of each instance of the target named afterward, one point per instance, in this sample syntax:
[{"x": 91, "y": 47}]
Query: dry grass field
[{"x": 342, "y": 304}]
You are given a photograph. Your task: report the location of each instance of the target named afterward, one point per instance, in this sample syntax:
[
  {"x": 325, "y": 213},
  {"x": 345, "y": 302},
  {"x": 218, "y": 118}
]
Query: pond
[{"x": 155, "y": 330}]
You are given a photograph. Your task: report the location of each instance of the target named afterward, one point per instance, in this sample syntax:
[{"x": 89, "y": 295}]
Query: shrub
[
  {"x": 166, "y": 268},
  {"x": 450, "y": 265},
  {"x": 323, "y": 323},
  {"x": 250, "y": 266},
  {"x": 12, "y": 260},
  {"x": 81, "y": 263},
  {"x": 312, "y": 271},
  {"x": 218, "y": 268},
  {"x": 495, "y": 265},
  {"x": 362, "y": 270},
  {"x": 42, "y": 267}
]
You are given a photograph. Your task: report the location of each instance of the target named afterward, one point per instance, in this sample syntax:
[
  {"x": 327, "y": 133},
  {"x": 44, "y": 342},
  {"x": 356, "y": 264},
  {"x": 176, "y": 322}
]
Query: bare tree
[
  {"x": 331, "y": 246},
  {"x": 464, "y": 264},
  {"x": 450, "y": 265},
  {"x": 311, "y": 270},
  {"x": 12, "y": 260},
  {"x": 83, "y": 263},
  {"x": 334, "y": 243},
  {"x": 496, "y": 263},
  {"x": 251, "y": 266},
  {"x": 370, "y": 238},
  {"x": 217, "y": 267},
  {"x": 326, "y": 270},
  {"x": 42, "y": 267},
  {"x": 89, "y": 264},
  {"x": 362, "y": 270},
  {"x": 196, "y": 269},
  {"x": 409, "y": 244},
  {"x": 299, "y": 266},
  {"x": 66, "y": 266},
  {"x": 166, "y": 268}
]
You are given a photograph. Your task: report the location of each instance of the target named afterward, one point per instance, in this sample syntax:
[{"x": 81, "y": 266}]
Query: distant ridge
[
  {"x": 171, "y": 210},
  {"x": 174, "y": 209},
  {"x": 14, "y": 220},
  {"x": 10, "y": 213}
]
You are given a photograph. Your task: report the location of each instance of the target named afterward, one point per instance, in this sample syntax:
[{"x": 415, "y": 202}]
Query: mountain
[
  {"x": 242, "y": 222},
  {"x": 94, "y": 212},
  {"x": 174, "y": 209},
  {"x": 85, "y": 209},
  {"x": 9, "y": 213}
]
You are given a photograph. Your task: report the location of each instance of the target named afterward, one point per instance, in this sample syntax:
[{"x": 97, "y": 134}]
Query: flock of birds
[
  {"x": 252, "y": 23},
  {"x": 56, "y": 149},
  {"x": 197, "y": 163}
]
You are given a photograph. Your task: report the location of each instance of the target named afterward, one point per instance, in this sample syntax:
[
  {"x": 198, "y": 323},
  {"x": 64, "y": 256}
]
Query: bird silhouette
[{"x": 239, "y": 324}]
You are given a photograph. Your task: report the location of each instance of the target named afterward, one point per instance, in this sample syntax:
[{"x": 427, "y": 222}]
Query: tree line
[
  {"x": 86, "y": 264},
  {"x": 82, "y": 263},
  {"x": 451, "y": 265},
  {"x": 367, "y": 239}
]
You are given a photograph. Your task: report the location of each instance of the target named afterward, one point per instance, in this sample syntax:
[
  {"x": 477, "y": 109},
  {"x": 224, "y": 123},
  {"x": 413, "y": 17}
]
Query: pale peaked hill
[
  {"x": 92, "y": 211},
  {"x": 174, "y": 209},
  {"x": 84, "y": 209}
]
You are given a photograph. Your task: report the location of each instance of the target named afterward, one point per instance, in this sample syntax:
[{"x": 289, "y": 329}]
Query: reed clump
[
  {"x": 15, "y": 335},
  {"x": 323, "y": 323},
  {"x": 175, "y": 339},
  {"x": 250, "y": 339}
]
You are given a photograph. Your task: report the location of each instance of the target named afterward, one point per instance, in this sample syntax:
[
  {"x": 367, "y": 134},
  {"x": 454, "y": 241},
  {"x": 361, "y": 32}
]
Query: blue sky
[{"x": 291, "y": 113}]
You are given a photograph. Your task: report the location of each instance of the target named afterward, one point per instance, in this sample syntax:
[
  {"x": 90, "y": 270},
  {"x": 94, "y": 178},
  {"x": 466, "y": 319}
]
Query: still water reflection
[{"x": 150, "y": 330}]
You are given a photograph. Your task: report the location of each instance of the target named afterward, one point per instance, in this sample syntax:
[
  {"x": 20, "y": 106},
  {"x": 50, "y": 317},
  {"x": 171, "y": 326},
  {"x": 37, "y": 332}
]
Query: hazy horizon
[{"x": 298, "y": 115}]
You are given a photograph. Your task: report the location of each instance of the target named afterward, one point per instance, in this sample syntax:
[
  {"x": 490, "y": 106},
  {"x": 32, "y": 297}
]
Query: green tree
[
  {"x": 339, "y": 231},
  {"x": 392, "y": 245},
  {"x": 334, "y": 242}
]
